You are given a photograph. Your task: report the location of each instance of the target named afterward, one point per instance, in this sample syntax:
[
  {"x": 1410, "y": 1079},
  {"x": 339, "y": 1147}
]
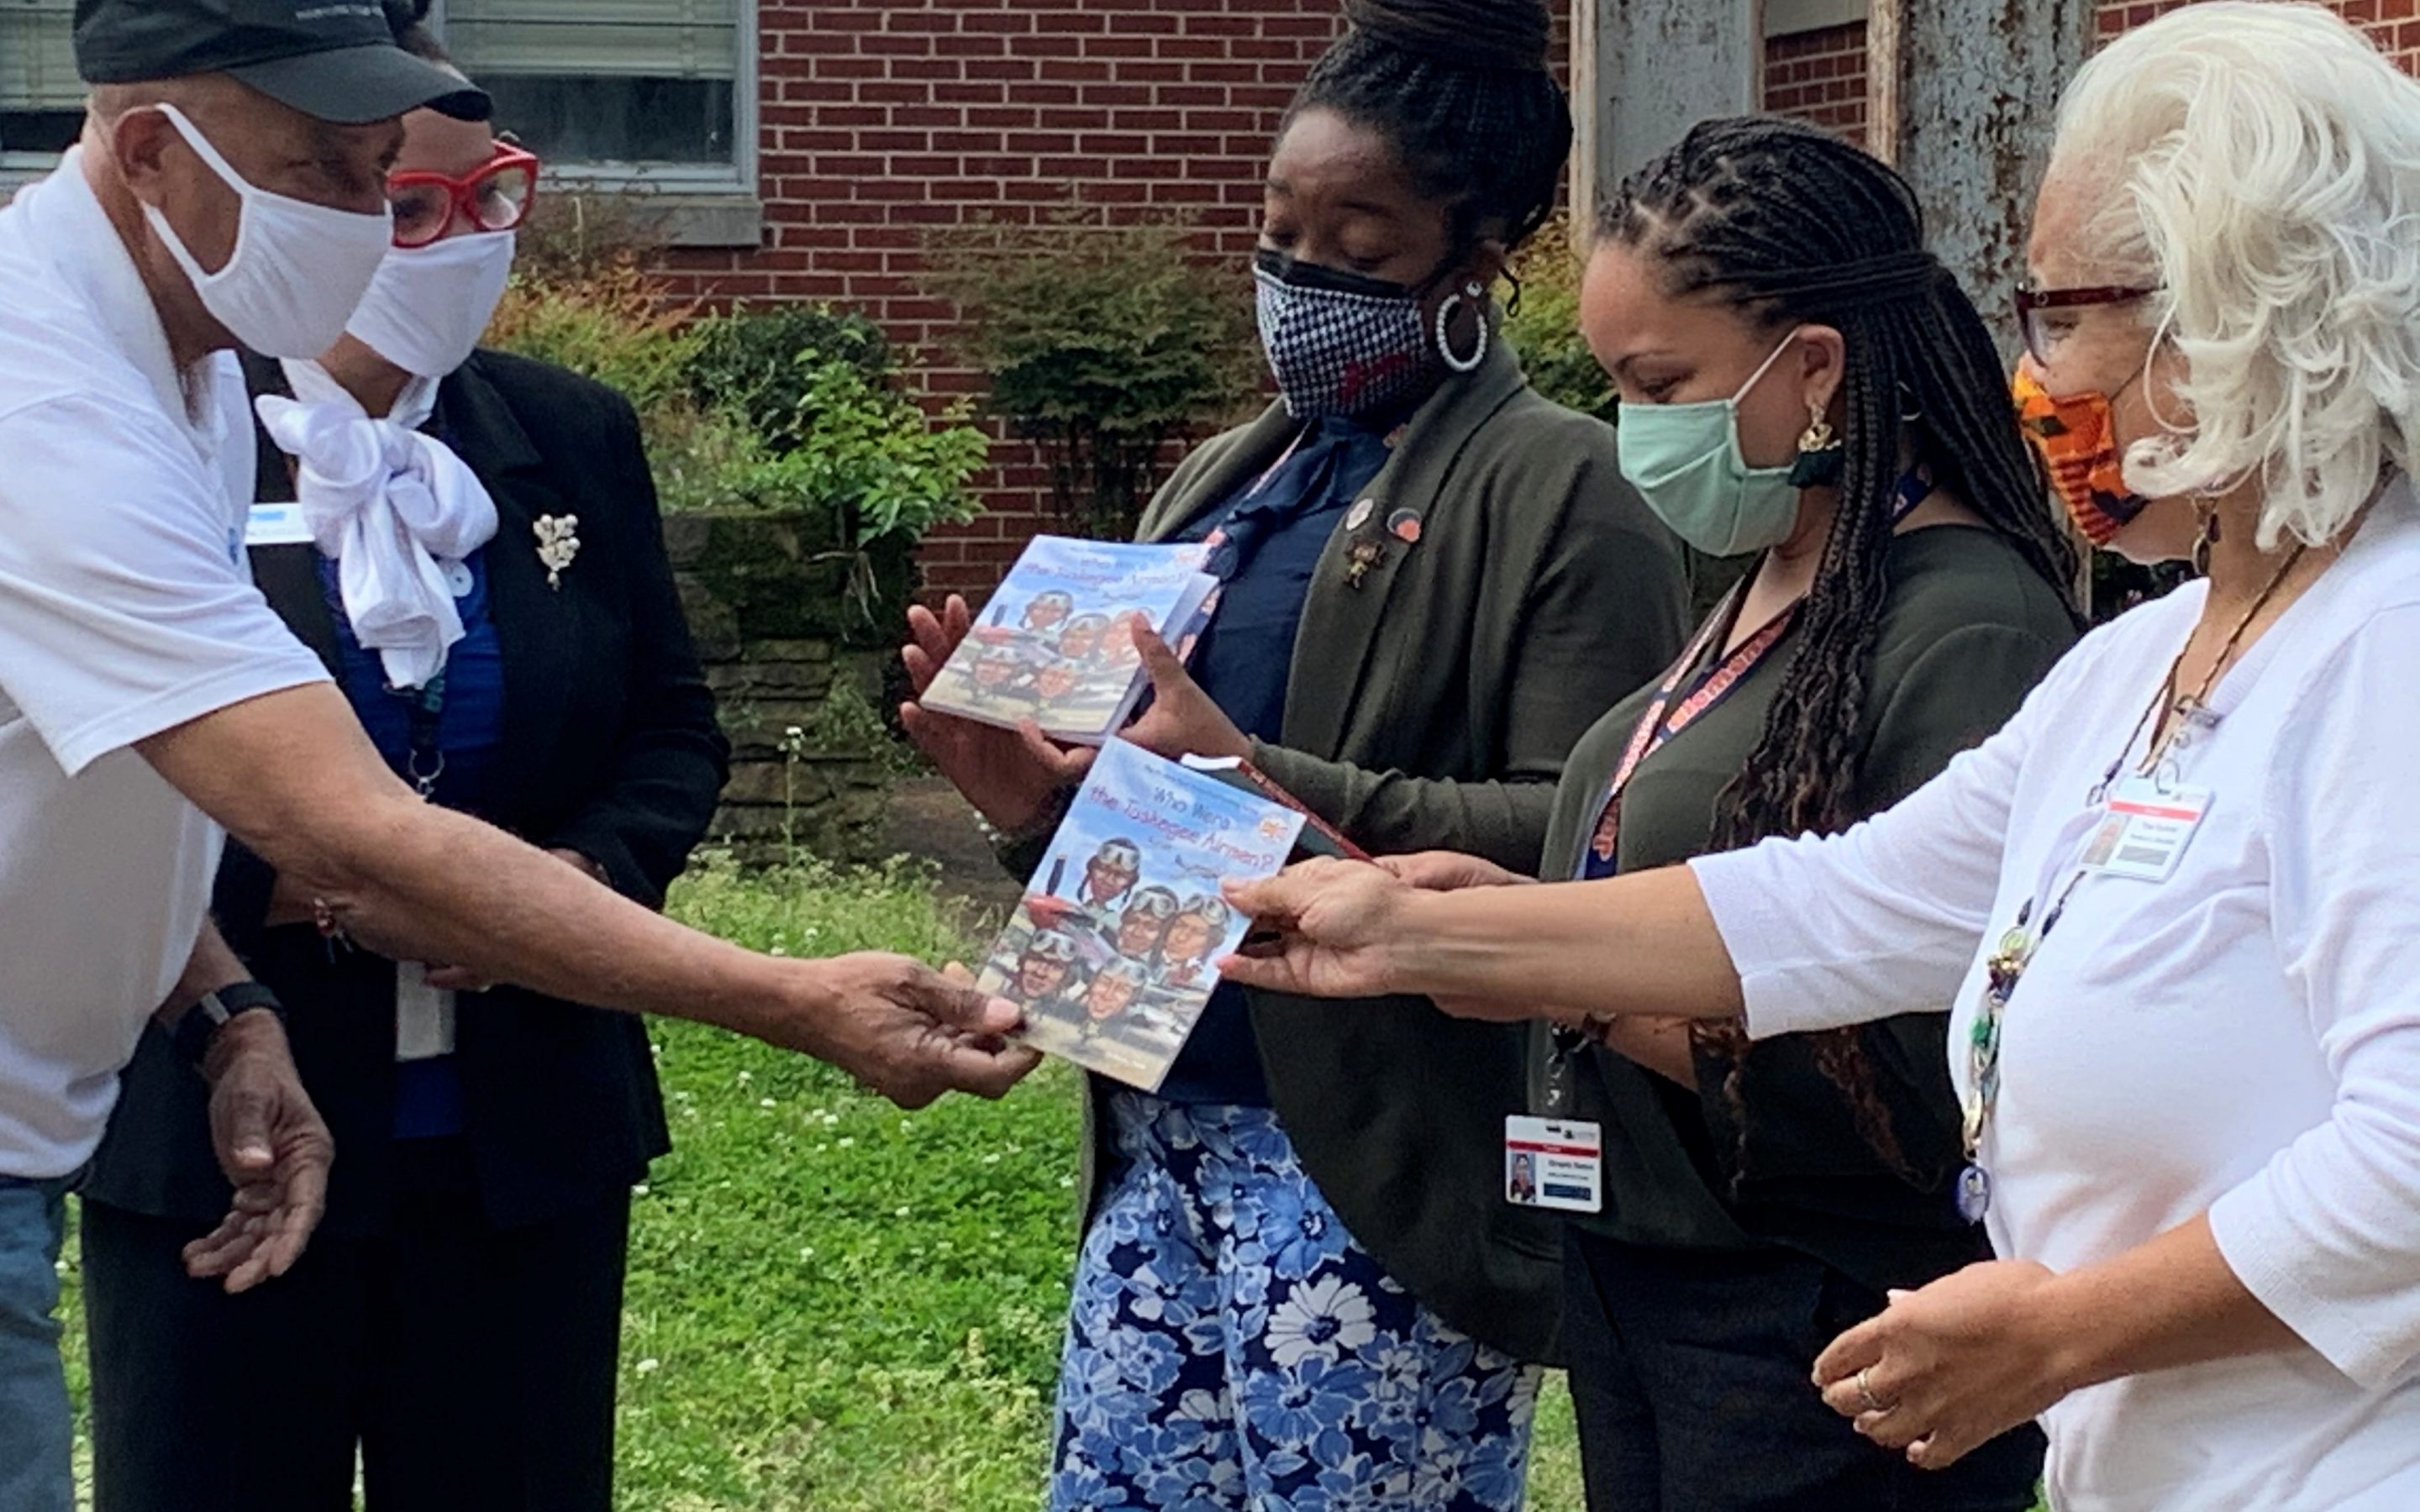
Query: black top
[
  {"x": 1967, "y": 629},
  {"x": 1270, "y": 536},
  {"x": 610, "y": 749}
]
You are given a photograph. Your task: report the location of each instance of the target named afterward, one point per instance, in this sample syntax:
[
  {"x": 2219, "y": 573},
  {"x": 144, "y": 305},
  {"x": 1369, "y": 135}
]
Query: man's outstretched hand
[
  {"x": 904, "y": 1029},
  {"x": 276, "y": 1151}
]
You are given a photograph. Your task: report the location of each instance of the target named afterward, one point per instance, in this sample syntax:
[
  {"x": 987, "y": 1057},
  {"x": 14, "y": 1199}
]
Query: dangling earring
[
  {"x": 1821, "y": 456},
  {"x": 2206, "y": 536},
  {"x": 1474, "y": 292}
]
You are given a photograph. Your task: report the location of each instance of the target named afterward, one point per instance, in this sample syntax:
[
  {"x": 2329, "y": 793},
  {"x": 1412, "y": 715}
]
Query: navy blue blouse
[
  {"x": 469, "y": 731},
  {"x": 1267, "y": 538}
]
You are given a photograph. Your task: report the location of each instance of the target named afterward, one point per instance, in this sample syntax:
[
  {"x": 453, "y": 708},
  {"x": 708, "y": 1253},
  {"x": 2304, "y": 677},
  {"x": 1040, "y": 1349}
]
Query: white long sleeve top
[{"x": 2242, "y": 1039}]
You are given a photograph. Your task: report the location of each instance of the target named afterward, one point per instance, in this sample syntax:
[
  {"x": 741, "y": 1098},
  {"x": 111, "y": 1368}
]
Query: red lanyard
[{"x": 1662, "y": 720}]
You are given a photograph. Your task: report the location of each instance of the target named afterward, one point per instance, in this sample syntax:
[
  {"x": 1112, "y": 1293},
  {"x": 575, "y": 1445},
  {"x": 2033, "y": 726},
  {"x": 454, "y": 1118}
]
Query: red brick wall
[
  {"x": 1819, "y": 76},
  {"x": 884, "y": 118},
  {"x": 2394, "y": 25}
]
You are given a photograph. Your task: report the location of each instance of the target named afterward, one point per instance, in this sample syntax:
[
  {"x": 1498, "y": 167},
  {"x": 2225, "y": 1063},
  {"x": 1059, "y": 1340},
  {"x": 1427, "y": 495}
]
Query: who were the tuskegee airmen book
[
  {"x": 1055, "y": 644},
  {"x": 1115, "y": 949}
]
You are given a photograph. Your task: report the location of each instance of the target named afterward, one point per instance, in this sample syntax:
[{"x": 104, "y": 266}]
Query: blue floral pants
[{"x": 1230, "y": 1348}]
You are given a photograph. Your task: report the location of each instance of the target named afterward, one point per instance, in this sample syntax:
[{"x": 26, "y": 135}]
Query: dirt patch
[{"x": 928, "y": 820}]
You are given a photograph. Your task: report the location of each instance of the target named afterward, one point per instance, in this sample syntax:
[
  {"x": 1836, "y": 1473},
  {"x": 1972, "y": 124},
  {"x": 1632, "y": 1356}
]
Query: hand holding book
[
  {"x": 1012, "y": 776},
  {"x": 1057, "y": 647},
  {"x": 1181, "y": 719},
  {"x": 1115, "y": 949}
]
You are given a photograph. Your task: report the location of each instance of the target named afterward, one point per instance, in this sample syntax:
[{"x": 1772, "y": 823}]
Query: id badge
[
  {"x": 2145, "y": 830},
  {"x": 423, "y": 1015},
  {"x": 1554, "y": 1162},
  {"x": 277, "y": 525}
]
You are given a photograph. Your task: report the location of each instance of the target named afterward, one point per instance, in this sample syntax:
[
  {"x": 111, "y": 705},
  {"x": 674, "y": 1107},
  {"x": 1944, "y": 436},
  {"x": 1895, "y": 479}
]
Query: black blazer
[{"x": 610, "y": 749}]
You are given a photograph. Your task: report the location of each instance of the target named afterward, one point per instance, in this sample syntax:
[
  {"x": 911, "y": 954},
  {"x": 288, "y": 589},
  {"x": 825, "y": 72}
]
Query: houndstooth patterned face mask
[{"x": 1340, "y": 343}]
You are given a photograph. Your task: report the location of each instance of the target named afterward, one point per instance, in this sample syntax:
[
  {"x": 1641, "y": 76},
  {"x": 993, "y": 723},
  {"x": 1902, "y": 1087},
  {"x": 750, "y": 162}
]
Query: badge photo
[{"x": 1554, "y": 1162}]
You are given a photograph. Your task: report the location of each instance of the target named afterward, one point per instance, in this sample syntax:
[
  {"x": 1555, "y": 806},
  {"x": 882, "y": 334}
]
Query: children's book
[
  {"x": 1055, "y": 644},
  {"x": 1113, "y": 951},
  {"x": 1318, "y": 837}
]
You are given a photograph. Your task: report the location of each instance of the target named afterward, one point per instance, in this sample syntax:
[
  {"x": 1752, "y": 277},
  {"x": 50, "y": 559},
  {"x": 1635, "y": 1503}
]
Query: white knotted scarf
[{"x": 391, "y": 507}]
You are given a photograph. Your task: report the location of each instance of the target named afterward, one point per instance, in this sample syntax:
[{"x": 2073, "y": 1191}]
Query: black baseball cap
[{"x": 332, "y": 59}]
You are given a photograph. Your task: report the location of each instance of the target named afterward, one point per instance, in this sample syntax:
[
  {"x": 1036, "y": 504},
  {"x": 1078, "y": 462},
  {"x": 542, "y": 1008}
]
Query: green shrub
[
  {"x": 793, "y": 410},
  {"x": 1102, "y": 340},
  {"x": 612, "y": 322},
  {"x": 1545, "y": 326},
  {"x": 751, "y": 360}
]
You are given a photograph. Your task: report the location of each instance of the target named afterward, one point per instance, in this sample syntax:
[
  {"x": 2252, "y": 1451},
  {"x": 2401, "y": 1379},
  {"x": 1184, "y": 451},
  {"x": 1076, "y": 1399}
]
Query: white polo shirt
[{"x": 126, "y": 609}]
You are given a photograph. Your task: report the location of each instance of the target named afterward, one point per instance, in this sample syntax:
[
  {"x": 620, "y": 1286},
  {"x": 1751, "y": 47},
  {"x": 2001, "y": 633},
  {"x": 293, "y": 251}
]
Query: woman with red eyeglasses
[{"x": 471, "y": 541}]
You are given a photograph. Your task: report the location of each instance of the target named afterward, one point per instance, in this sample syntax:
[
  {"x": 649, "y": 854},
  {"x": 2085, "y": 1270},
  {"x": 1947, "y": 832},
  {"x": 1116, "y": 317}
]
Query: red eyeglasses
[{"x": 495, "y": 199}]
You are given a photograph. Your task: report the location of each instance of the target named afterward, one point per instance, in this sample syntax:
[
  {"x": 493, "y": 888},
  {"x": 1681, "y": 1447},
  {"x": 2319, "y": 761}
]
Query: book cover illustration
[
  {"x": 1112, "y": 953},
  {"x": 1054, "y": 644}
]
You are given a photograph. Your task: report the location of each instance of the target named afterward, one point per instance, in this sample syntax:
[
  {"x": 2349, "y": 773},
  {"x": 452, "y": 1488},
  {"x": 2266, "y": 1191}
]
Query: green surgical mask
[{"x": 1684, "y": 459}]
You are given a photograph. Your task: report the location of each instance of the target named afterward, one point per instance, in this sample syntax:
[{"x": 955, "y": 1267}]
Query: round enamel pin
[{"x": 1404, "y": 526}]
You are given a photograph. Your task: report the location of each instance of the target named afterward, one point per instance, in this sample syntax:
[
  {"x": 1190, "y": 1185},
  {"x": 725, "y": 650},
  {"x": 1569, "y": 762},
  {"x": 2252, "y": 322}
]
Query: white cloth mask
[
  {"x": 391, "y": 507},
  {"x": 428, "y": 306},
  {"x": 297, "y": 270}
]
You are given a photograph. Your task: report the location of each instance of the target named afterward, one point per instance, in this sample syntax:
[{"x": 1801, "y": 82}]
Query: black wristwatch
[{"x": 198, "y": 1026}]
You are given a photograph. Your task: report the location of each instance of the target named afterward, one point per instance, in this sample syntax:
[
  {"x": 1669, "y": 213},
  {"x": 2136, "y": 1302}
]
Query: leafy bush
[
  {"x": 787, "y": 410},
  {"x": 581, "y": 230},
  {"x": 1546, "y": 328},
  {"x": 612, "y": 322},
  {"x": 1102, "y": 340},
  {"x": 750, "y": 359}
]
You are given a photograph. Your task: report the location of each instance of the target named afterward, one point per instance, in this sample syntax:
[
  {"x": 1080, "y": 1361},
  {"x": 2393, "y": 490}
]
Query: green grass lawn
[
  {"x": 834, "y": 1305},
  {"x": 839, "y": 1306}
]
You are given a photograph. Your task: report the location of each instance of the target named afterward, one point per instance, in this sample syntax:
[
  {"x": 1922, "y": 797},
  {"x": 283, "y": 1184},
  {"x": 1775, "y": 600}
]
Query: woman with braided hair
[
  {"x": 1300, "y": 1284},
  {"x": 1799, "y": 379}
]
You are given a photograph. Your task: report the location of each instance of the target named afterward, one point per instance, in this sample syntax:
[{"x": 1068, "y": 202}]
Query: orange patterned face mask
[{"x": 2076, "y": 437}]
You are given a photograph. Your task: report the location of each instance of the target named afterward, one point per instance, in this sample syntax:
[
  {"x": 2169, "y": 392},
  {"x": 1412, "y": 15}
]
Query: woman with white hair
[{"x": 2174, "y": 907}]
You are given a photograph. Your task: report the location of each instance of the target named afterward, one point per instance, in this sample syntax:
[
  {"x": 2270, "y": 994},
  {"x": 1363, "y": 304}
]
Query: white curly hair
[{"x": 2259, "y": 163}]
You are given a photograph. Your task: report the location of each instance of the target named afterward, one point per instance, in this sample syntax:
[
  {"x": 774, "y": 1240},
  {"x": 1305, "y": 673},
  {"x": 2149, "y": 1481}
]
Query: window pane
[
  {"x": 606, "y": 81},
  {"x": 41, "y": 99},
  {"x": 615, "y": 121},
  {"x": 43, "y": 132}
]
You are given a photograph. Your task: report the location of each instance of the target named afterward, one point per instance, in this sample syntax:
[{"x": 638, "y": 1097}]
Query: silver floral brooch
[{"x": 558, "y": 542}]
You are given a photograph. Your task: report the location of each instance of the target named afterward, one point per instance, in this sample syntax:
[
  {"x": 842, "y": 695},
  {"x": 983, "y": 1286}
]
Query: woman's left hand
[
  {"x": 1942, "y": 1371},
  {"x": 1182, "y": 720}
]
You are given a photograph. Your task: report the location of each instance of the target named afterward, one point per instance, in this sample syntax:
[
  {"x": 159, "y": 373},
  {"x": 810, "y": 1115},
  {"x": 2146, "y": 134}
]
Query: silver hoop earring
[{"x": 1474, "y": 293}]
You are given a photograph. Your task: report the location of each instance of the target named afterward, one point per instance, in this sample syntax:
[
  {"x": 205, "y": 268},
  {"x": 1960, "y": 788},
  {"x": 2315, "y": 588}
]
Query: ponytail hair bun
[{"x": 1510, "y": 35}]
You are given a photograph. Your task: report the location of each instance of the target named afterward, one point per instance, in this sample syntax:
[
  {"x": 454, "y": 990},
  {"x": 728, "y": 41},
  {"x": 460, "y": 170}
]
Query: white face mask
[
  {"x": 297, "y": 270},
  {"x": 429, "y": 305}
]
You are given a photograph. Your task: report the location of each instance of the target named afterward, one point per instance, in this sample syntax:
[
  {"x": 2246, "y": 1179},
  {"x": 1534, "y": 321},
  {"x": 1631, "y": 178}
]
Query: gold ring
[{"x": 1865, "y": 1392}]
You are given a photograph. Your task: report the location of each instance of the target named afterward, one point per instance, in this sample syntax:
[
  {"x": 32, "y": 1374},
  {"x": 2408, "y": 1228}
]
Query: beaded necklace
[{"x": 2005, "y": 966}]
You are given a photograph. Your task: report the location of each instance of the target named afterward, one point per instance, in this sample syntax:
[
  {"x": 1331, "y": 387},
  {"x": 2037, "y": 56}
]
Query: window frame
[
  {"x": 682, "y": 180},
  {"x": 701, "y": 205},
  {"x": 19, "y": 165}
]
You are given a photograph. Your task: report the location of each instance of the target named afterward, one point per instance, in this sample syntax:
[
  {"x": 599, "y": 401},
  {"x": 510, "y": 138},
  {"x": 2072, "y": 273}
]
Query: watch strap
[{"x": 200, "y": 1024}]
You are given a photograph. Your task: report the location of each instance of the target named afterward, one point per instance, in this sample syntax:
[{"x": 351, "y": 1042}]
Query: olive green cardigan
[{"x": 1438, "y": 684}]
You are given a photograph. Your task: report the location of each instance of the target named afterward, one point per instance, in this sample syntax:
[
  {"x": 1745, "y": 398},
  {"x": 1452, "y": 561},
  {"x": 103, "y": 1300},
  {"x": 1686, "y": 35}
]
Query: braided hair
[
  {"x": 1794, "y": 225},
  {"x": 1461, "y": 90}
]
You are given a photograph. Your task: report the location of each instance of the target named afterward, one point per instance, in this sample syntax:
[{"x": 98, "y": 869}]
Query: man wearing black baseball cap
[
  {"x": 230, "y": 189},
  {"x": 333, "y": 60}
]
